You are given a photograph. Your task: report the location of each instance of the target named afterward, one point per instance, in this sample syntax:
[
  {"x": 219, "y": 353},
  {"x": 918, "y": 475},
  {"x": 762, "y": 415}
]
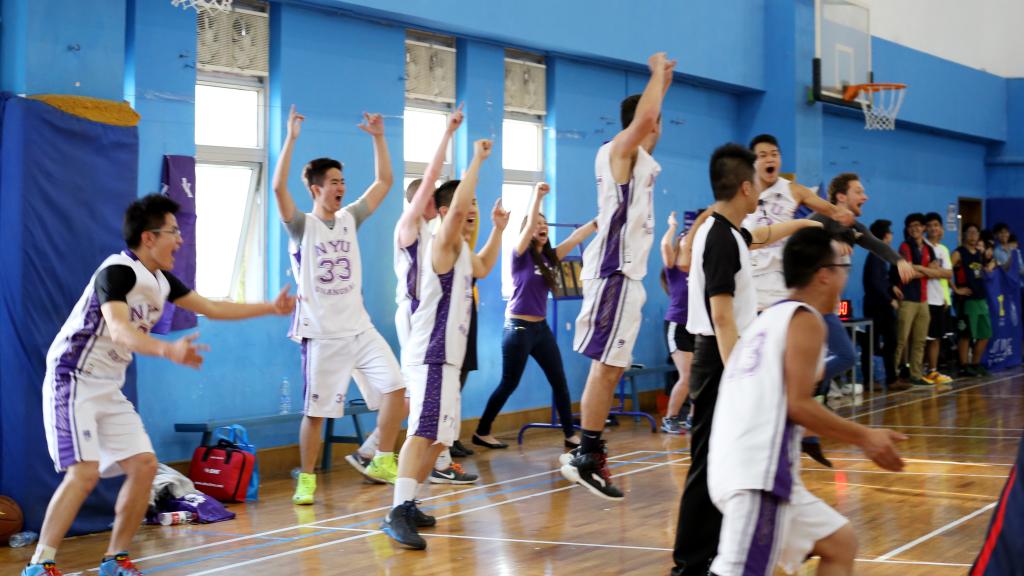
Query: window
[
  {"x": 230, "y": 186},
  {"x": 429, "y": 100},
  {"x": 522, "y": 146}
]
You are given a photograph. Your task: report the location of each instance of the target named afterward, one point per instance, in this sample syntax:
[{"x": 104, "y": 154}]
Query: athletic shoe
[
  {"x": 423, "y": 520},
  {"x": 688, "y": 423},
  {"x": 813, "y": 449},
  {"x": 361, "y": 463},
  {"x": 44, "y": 569},
  {"x": 835, "y": 392},
  {"x": 119, "y": 565},
  {"x": 966, "y": 372},
  {"x": 454, "y": 474},
  {"x": 591, "y": 471},
  {"x": 672, "y": 426},
  {"x": 400, "y": 525},
  {"x": 921, "y": 383},
  {"x": 304, "y": 489},
  {"x": 899, "y": 386},
  {"x": 564, "y": 459},
  {"x": 980, "y": 370},
  {"x": 383, "y": 468},
  {"x": 852, "y": 388},
  {"x": 458, "y": 450},
  {"x": 936, "y": 377}
]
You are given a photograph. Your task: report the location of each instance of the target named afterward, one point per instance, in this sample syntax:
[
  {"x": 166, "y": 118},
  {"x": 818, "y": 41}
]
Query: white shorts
[
  {"x": 760, "y": 531},
  {"x": 88, "y": 419},
  {"x": 609, "y": 319},
  {"x": 329, "y": 363},
  {"x": 435, "y": 403},
  {"x": 770, "y": 287}
]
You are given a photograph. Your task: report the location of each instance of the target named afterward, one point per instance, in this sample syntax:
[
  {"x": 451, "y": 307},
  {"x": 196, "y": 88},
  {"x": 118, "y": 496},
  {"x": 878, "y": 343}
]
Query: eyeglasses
[{"x": 174, "y": 231}]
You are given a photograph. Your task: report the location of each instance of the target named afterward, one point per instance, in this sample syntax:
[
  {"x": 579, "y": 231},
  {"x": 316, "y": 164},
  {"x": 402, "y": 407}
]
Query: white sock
[
  {"x": 43, "y": 554},
  {"x": 444, "y": 460},
  {"x": 379, "y": 454},
  {"x": 405, "y": 489},
  {"x": 371, "y": 443},
  {"x": 423, "y": 490}
]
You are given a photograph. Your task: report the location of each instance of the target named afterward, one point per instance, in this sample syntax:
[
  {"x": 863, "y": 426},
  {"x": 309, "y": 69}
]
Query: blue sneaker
[
  {"x": 119, "y": 565},
  {"x": 44, "y": 569}
]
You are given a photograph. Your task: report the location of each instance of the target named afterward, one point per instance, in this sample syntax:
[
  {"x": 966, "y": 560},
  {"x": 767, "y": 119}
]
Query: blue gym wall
[{"x": 744, "y": 69}]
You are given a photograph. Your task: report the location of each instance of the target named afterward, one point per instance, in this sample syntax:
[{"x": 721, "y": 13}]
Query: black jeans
[
  {"x": 522, "y": 339},
  {"x": 699, "y": 519},
  {"x": 884, "y": 320}
]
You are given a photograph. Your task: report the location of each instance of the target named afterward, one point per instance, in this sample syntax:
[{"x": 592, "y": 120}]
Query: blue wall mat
[{"x": 62, "y": 200}]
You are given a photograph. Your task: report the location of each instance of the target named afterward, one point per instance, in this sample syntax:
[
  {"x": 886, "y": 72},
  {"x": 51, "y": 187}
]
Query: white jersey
[
  {"x": 775, "y": 206},
  {"x": 754, "y": 445},
  {"x": 84, "y": 344},
  {"x": 409, "y": 270},
  {"x": 719, "y": 242},
  {"x": 440, "y": 325},
  {"x": 938, "y": 288},
  {"x": 625, "y": 219},
  {"x": 328, "y": 272}
]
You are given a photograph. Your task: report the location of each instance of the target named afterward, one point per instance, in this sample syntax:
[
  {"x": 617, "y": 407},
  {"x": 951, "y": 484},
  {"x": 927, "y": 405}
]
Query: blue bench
[{"x": 354, "y": 408}]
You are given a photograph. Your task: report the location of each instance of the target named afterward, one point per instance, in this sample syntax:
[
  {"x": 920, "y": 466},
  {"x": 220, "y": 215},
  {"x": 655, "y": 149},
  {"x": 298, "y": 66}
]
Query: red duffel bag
[{"x": 222, "y": 471}]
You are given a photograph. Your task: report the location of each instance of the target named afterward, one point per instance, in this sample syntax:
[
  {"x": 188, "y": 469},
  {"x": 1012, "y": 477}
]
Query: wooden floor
[{"x": 524, "y": 519}]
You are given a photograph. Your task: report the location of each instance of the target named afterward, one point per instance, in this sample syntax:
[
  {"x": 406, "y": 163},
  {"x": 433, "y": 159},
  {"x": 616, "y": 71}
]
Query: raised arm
[
  {"x": 578, "y": 235},
  {"x": 800, "y": 363},
  {"x": 804, "y": 195},
  {"x": 764, "y": 235},
  {"x": 373, "y": 124},
  {"x": 532, "y": 217},
  {"x": 224, "y": 310},
  {"x": 484, "y": 261},
  {"x": 686, "y": 248},
  {"x": 645, "y": 119},
  {"x": 449, "y": 235},
  {"x": 668, "y": 242},
  {"x": 407, "y": 223},
  {"x": 285, "y": 202}
]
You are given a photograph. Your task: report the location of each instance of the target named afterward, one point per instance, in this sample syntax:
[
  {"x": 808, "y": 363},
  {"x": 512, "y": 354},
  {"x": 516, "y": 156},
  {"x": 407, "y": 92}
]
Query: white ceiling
[{"x": 983, "y": 34}]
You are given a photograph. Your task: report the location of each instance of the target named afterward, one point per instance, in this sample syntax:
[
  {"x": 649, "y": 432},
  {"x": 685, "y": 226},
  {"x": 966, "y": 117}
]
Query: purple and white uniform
[
  {"x": 408, "y": 270},
  {"x": 615, "y": 262},
  {"x": 769, "y": 517},
  {"x": 86, "y": 416},
  {"x": 776, "y": 205},
  {"x": 433, "y": 353},
  {"x": 336, "y": 335},
  {"x": 676, "y": 336}
]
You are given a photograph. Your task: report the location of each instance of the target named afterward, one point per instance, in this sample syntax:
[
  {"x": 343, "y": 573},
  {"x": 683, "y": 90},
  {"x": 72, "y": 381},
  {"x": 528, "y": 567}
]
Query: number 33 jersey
[{"x": 328, "y": 271}]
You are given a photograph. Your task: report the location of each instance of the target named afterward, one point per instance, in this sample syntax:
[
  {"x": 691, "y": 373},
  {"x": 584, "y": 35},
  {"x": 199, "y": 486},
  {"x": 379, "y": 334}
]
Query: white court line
[
  {"x": 936, "y": 532},
  {"x": 850, "y": 470},
  {"x": 947, "y": 427},
  {"x": 365, "y": 534},
  {"x": 919, "y": 461},
  {"x": 913, "y": 435},
  {"x": 931, "y": 397},
  {"x": 352, "y": 515}
]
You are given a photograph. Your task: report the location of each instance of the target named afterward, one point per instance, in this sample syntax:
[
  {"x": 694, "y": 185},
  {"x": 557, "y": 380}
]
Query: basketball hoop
[
  {"x": 880, "y": 103},
  {"x": 200, "y": 5}
]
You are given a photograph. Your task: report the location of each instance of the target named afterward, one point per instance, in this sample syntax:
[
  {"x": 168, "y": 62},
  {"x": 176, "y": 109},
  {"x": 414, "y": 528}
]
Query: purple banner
[{"x": 179, "y": 183}]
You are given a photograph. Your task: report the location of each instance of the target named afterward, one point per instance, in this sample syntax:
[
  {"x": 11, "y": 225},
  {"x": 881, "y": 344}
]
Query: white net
[
  {"x": 880, "y": 104},
  {"x": 222, "y": 5}
]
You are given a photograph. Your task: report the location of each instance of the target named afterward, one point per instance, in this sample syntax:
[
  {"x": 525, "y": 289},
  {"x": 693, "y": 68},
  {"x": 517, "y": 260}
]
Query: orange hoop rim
[{"x": 851, "y": 92}]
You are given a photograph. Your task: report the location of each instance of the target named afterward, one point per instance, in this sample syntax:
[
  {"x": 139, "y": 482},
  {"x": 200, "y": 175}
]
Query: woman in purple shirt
[
  {"x": 675, "y": 257},
  {"x": 526, "y": 332}
]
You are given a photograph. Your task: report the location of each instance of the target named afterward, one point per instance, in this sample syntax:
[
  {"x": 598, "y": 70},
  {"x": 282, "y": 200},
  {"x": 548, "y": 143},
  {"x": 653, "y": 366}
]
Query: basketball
[{"x": 10, "y": 518}]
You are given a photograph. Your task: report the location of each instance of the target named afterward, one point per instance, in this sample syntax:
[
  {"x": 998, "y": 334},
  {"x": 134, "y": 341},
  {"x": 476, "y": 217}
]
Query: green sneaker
[
  {"x": 305, "y": 489},
  {"x": 384, "y": 468}
]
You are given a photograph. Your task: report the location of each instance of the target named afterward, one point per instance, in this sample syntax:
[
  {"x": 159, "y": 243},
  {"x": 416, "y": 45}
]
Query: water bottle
[
  {"x": 286, "y": 397},
  {"x": 173, "y": 518},
  {"x": 23, "y": 539}
]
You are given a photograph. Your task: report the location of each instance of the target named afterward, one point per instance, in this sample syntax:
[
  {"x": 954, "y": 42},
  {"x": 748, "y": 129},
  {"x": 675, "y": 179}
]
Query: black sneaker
[
  {"x": 400, "y": 525},
  {"x": 360, "y": 462},
  {"x": 591, "y": 471},
  {"x": 423, "y": 520},
  {"x": 458, "y": 450},
  {"x": 813, "y": 449},
  {"x": 564, "y": 459}
]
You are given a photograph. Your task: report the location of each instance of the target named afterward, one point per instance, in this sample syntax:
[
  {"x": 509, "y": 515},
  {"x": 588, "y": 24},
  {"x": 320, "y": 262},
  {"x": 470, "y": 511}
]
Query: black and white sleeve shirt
[{"x": 720, "y": 265}]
